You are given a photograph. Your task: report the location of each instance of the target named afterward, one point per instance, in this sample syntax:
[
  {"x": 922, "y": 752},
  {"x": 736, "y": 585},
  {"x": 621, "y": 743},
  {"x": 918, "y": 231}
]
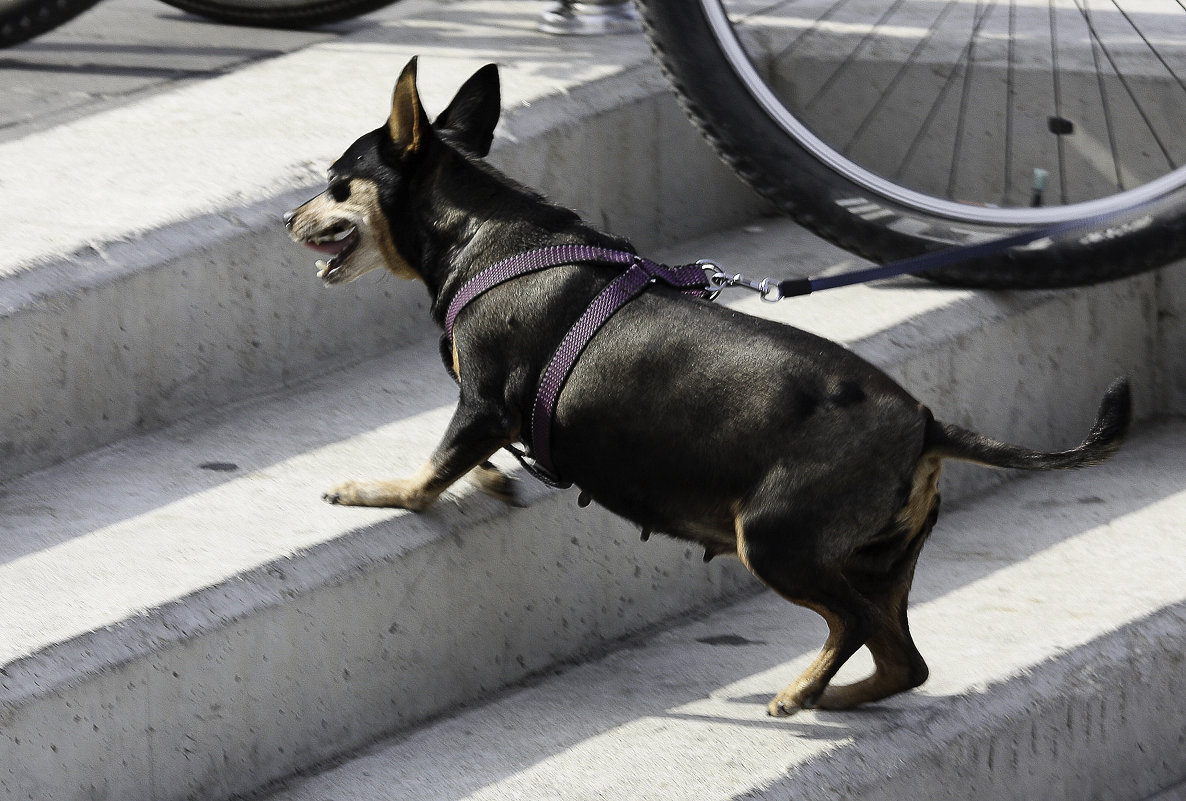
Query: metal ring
[{"x": 771, "y": 292}]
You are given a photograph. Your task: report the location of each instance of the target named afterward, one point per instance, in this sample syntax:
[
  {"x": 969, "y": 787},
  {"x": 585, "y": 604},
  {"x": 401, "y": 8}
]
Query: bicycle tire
[
  {"x": 282, "y": 13},
  {"x": 24, "y": 19},
  {"x": 870, "y": 216}
]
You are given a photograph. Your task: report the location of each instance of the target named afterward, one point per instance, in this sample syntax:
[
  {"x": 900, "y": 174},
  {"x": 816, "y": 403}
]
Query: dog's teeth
[
  {"x": 322, "y": 267},
  {"x": 337, "y": 237}
]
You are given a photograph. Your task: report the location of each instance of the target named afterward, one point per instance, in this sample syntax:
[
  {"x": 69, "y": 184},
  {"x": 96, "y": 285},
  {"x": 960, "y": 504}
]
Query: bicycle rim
[{"x": 956, "y": 111}]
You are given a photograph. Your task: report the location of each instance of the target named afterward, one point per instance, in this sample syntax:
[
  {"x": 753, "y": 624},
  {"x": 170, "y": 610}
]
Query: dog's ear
[
  {"x": 471, "y": 116},
  {"x": 408, "y": 124}
]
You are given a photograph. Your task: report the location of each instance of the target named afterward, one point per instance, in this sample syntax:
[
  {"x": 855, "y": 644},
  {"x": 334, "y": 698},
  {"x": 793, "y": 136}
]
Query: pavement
[
  {"x": 182, "y": 617},
  {"x": 126, "y": 50}
]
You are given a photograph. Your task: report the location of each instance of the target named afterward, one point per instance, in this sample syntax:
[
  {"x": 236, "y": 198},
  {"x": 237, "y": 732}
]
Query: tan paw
[
  {"x": 781, "y": 707},
  {"x": 495, "y": 483},
  {"x": 400, "y": 494},
  {"x": 789, "y": 702}
]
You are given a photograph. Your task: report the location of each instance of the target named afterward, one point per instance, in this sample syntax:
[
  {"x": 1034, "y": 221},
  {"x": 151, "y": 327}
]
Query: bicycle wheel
[
  {"x": 898, "y": 127},
  {"x": 279, "y": 13},
  {"x": 23, "y": 19}
]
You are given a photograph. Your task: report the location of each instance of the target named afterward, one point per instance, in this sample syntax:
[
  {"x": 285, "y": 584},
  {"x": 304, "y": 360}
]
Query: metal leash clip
[{"x": 718, "y": 279}]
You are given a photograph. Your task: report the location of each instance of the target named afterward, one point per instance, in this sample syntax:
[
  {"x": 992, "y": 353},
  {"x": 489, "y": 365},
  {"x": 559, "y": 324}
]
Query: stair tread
[{"x": 1018, "y": 578}]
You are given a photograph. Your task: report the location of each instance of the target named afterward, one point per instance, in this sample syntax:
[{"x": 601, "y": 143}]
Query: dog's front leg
[{"x": 473, "y": 435}]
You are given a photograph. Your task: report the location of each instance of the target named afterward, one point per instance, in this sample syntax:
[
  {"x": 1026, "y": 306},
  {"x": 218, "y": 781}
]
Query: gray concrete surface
[
  {"x": 185, "y": 598},
  {"x": 1176, "y": 793},
  {"x": 122, "y": 51},
  {"x": 181, "y": 617},
  {"x": 1051, "y": 612}
]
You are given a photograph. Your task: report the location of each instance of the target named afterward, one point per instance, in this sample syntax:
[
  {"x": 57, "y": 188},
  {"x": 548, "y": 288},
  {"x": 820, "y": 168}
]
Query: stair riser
[{"x": 326, "y": 663}]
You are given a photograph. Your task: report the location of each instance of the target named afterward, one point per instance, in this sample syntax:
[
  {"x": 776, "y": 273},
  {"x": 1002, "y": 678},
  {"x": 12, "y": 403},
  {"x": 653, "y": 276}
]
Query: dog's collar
[{"x": 640, "y": 273}]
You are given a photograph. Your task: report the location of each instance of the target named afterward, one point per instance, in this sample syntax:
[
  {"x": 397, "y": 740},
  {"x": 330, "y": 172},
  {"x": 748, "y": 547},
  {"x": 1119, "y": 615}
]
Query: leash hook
[
  {"x": 717, "y": 279},
  {"x": 770, "y": 291}
]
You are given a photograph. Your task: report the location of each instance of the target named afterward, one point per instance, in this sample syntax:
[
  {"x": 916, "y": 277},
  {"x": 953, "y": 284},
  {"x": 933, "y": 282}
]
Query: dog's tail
[{"x": 1111, "y": 426}]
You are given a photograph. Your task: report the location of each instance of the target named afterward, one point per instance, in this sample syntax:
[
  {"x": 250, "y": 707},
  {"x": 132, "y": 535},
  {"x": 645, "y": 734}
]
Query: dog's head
[{"x": 365, "y": 218}]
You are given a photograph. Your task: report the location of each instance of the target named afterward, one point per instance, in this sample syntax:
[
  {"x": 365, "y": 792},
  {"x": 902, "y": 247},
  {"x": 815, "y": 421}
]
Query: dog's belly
[{"x": 713, "y": 528}]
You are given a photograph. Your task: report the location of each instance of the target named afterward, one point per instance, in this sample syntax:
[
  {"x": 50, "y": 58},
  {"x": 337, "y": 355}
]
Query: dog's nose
[{"x": 288, "y": 217}]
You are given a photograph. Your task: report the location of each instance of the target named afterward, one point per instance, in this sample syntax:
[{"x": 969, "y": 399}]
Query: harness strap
[
  {"x": 522, "y": 264},
  {"x": 641, "y": 273}
]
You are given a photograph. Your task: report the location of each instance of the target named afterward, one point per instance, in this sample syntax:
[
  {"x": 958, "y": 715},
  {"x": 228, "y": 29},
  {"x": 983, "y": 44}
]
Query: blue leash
[{"x": 772, "y": 290}]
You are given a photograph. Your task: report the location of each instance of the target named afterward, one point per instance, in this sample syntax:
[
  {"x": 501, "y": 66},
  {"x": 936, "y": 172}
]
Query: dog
[{"x": 749, "y": 437}]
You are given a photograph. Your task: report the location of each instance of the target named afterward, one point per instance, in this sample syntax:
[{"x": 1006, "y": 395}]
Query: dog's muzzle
[{"x": 336, "y": 241}]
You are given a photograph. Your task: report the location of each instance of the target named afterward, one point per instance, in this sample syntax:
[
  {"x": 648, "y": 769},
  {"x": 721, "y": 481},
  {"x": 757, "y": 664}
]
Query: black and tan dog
[{"x": 749, "y": 437}]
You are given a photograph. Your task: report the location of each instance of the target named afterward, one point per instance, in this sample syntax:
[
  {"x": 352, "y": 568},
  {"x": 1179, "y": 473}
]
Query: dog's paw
[
  {"x": 348, "y": 493},
  {"x": 495, "y": 483},
  {"x": 396, "y": 494},
  {"x": 781, "y": 708},
  {"x": 787, "y": 703}
]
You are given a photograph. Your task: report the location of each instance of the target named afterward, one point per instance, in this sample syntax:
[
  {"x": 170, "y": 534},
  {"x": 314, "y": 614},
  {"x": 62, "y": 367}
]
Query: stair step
[
  {"x": 1052, "y": 613},
  {"x": 186, "y": 598},
  {"x": 181, "y": 616}
]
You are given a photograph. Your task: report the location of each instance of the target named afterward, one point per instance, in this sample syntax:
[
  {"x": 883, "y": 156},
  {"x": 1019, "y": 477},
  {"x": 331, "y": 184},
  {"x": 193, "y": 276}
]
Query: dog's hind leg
[
  {"x": 885, "y": 577},
  {"x": 884, "y": 571},
  {"x": 793, "y": 567},
  {"x": 899, "y": 667},
  {"x": 898, "y": 664}
]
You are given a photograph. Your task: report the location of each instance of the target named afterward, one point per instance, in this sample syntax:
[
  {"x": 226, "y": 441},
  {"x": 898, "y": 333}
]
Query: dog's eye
[{"x": 339, "y": 190}]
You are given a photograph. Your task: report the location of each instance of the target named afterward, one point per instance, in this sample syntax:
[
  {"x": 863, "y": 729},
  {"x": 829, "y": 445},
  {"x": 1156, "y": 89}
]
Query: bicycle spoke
[
  {"x": 967, "y": 100},
  {"x": 850, "y": 59},
  {"x": 831, "y": 12},
  {"x": 744, "y": 18},
  {"x": 965, "y": 94},
  {"x": 1056, "y": 77},
  {"x": 934, "y": 110},
  {"x": 1113, "y": 144},
  {"x": 899, "y": 75},
  {"x": 1010, "y": 95},
  {"x": 1156, "y": 53},
  {"x": 1132, "y": 94}
]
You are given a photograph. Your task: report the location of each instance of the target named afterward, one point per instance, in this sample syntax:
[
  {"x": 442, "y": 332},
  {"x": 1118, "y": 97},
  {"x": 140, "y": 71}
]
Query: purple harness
[{"x": 639, "y": 274}]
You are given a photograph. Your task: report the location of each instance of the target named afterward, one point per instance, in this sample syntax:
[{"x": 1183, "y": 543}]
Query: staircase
[{"x": 182, "y": 617}]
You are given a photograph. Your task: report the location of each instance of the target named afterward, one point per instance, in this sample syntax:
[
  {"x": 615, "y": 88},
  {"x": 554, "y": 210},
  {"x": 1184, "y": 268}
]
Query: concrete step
[
  {"x": 1052, "y": 613},
  {"x": 180, "y": 615},
  {"x": 163, "y": 283},
  {"x": 1175, "y": 793},
  {"x": 184, "y": 600}
]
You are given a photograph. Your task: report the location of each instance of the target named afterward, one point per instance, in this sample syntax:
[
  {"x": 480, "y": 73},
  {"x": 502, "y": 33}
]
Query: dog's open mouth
[{"x": 338, "y": 243}]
